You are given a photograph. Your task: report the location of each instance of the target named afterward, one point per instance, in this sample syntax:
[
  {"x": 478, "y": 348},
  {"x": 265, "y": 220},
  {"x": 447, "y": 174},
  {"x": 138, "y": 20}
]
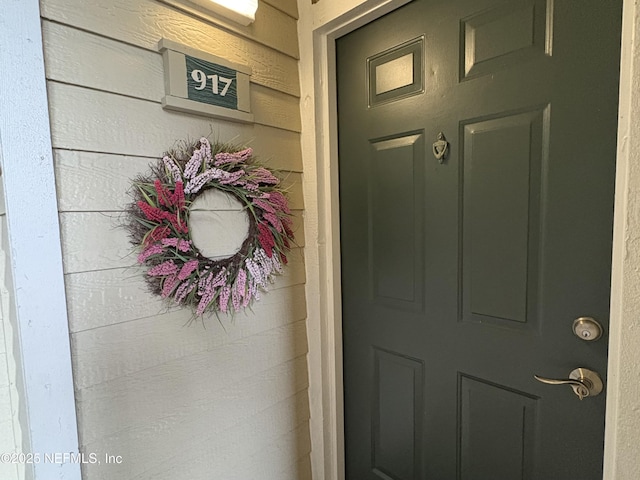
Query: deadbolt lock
[{"x": 587, "y": 329}]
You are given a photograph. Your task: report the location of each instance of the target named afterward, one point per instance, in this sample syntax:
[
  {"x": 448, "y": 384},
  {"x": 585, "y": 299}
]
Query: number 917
[{"x": 216, "y": 82}]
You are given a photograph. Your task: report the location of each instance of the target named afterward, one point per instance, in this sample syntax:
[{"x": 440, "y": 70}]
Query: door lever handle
[
  {"x": 579, "y": 388},
  {"x": 584, "y": 382}
]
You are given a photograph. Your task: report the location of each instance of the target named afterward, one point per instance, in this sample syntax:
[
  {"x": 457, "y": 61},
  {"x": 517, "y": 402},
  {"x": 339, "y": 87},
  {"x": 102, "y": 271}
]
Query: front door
[{"x": 477, "y": 144}]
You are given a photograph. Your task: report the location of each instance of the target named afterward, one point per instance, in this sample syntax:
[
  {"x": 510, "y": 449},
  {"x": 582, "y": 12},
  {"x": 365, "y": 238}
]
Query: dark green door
[{"x": 462, "y": 277}]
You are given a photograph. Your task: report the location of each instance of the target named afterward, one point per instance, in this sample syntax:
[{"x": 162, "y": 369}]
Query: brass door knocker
[{"x": 440, "y": 147}]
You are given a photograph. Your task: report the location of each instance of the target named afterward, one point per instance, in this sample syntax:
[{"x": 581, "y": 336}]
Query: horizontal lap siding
[
  {"x": 224, "y": 397},
  {"x": 142, "y": 23},
  {"x": 110, "y": 244}
]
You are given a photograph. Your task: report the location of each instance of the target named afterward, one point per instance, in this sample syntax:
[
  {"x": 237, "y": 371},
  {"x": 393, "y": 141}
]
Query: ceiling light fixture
[{"x": 240, "y": 11}]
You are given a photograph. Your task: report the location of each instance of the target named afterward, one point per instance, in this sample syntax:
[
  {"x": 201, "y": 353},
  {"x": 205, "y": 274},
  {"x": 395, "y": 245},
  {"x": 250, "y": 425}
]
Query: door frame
[{"x": 323, "y": 267}]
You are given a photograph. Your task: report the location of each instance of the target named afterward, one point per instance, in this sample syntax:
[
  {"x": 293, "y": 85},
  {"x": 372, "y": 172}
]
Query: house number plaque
[{"x": 200, "y": 83}]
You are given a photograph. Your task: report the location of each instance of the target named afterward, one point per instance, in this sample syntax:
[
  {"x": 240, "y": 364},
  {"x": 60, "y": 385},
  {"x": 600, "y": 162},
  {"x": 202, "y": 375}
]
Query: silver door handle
[{"x": 584, "y": 382}]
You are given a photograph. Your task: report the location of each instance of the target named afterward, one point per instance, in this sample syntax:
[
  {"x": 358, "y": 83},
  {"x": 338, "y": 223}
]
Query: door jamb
[{"x": 329, "y": 371}]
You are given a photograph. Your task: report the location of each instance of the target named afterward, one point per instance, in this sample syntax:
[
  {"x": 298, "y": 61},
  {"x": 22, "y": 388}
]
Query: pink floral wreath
[{"x": 158, "y": 225}]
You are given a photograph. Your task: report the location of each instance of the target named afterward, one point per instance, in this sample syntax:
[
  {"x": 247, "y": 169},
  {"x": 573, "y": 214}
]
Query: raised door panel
[
  {"x": 507, "y": 34},
  {"x": 502, "y": 188},
  {"x": 496, "y": 431},
  {"x": 397, "y": 410},
  {"x": 396, "y": 210}
]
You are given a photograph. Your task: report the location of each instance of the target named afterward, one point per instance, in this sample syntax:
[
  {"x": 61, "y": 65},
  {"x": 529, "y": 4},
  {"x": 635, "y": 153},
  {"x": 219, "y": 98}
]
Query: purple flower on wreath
[
  {"x": 236, "y": 299},
  {"x": 154, "y": 249},
  {"x": 205, "y": 300},
  {"x": 254, "y": 270},
  {"x": 195, "y": 184},
  {"x": 264, "y": 205},
  {"x": 266, "y": 266},
  {"x": 224, "y": 158},
  {"x": 277, "y": 264},
  {"x": 198, "y": 158},
  {"x": 262, "y": 175},
  {"x": 164, "y": 269},
  {"x": 187, "y": 269},
  {"x": 220, "y": 279},
  {"x": 279, "y": 201},
  {"x": 204, "y": 282},
  {"x": 168, "y": 285},
  {"x": 241, "y": 283},
  {"x": 180, "y": 244},
  {"x": 193, "y": 165},
  {"x": 205, "y": 149},
  {"x": 173, "y": 168},
  {"x": 223, "y": 299},
  {"x": 240, "y": 289},
  {"x": 183, "y": 290},
  {"x": 207, "y": 288},
  {"x": 273, "y": 219},
  {"x": 232, "y": 178}
]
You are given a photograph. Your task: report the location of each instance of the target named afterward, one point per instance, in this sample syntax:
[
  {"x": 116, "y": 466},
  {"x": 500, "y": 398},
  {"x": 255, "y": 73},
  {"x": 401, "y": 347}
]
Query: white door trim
[
  {"x": 47, "y": 404},
  {"x": 620, "y": 452},
  {"x": 325, "y": 354}
]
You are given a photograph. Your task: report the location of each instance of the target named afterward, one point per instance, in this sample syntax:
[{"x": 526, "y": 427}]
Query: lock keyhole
[{"x": 587, "y": 328}]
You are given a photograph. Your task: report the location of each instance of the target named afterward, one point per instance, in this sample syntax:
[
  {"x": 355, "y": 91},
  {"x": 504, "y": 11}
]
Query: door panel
[
  {"x": 461, "y": 278},
  {"x": 508, "y": 33},
  {"x": 501, "y": 219},
  {"x": 508, "y": 418},
  {"x": 396, "y": 211},
  {"x": 396, "y": 73},
  {"x": 398, "y": 384}
]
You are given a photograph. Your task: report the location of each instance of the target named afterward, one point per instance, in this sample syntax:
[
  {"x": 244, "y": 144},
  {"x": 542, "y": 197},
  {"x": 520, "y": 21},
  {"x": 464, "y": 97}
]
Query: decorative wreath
[{"x": 158, "y": 225}]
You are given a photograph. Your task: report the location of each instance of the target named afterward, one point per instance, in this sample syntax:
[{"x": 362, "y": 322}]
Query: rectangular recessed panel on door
[
  {"x": 496, "y": 431},
  {"x": 397, "y": 413},
  {"x": 396, "y": 73},
  {"x": 511, "y": 33},
  {"x": 503, "y": 158},
  {"x": 396, "y": 210}
]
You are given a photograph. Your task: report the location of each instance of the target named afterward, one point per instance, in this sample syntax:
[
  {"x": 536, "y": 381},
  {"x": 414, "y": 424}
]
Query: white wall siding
[
  {"x": 227, "y": 399},
  {"x": 143, "y": 22}
]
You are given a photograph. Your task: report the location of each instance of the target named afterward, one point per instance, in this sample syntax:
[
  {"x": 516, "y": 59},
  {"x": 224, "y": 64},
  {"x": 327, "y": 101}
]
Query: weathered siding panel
[{"x": 224, "y": 398}]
